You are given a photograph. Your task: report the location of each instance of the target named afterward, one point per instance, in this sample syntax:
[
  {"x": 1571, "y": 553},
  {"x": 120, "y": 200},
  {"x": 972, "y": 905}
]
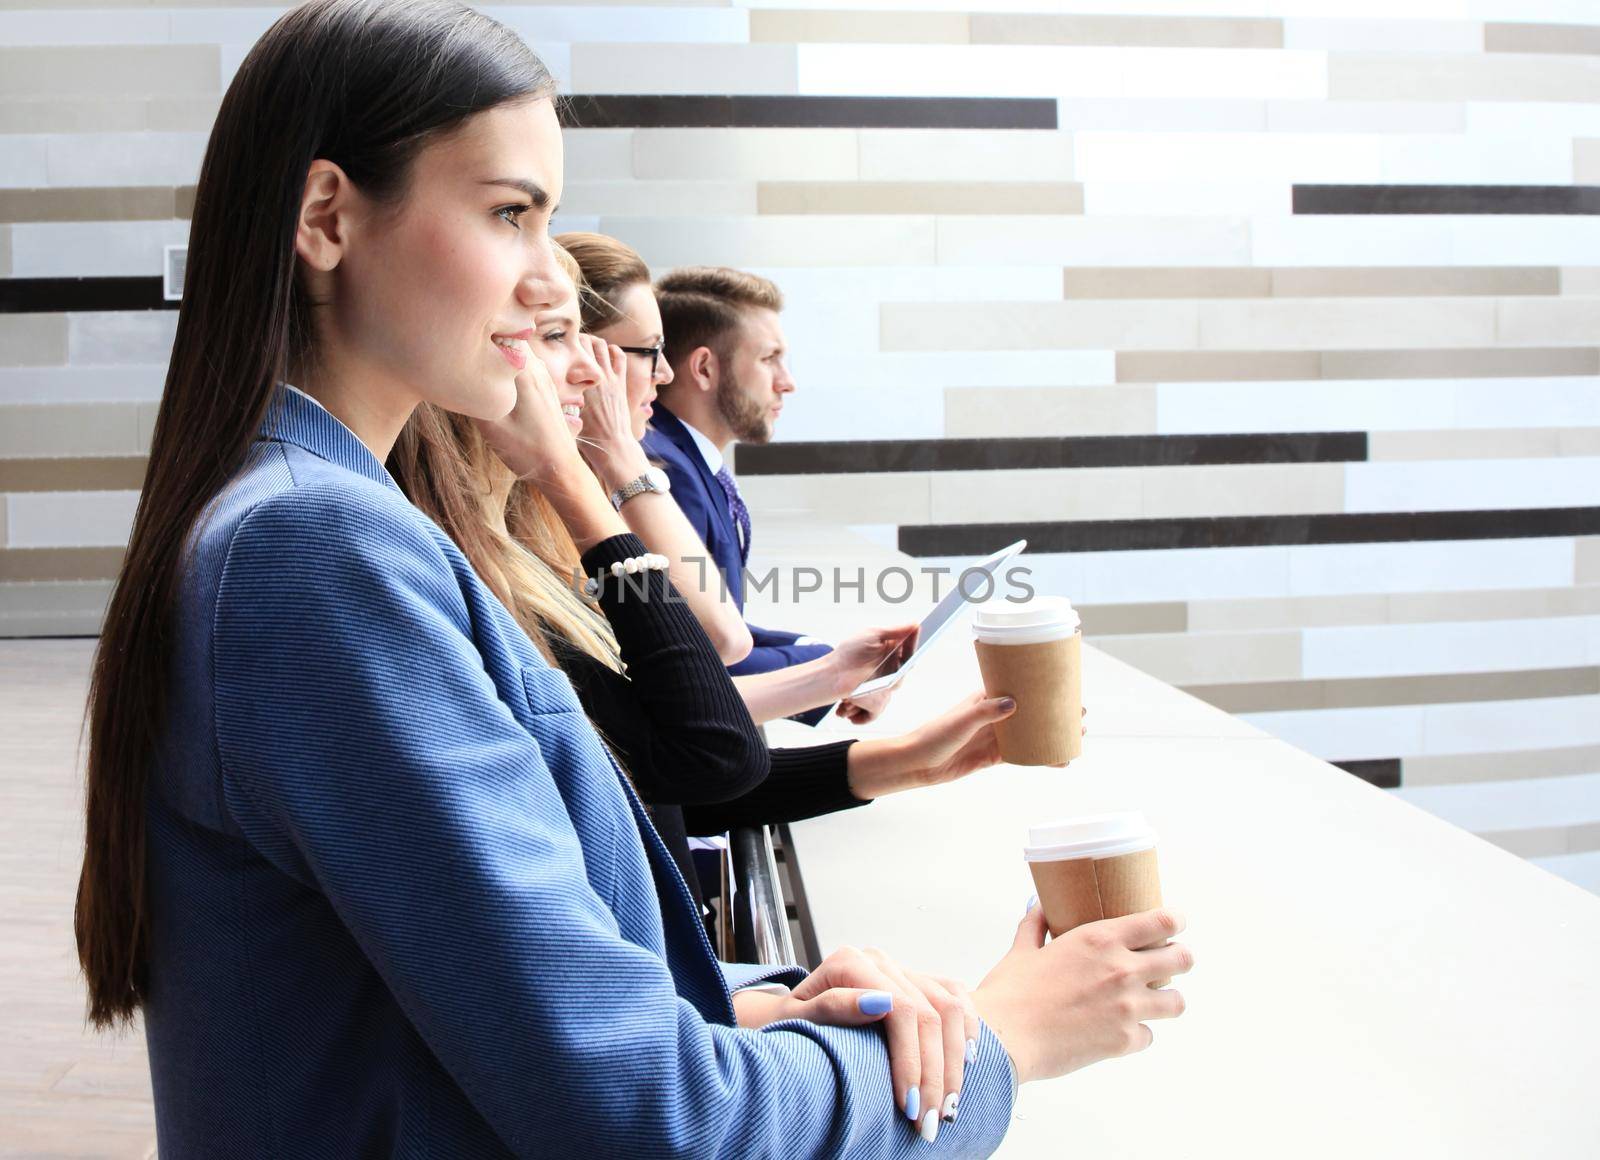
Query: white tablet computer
[{"x": 944, "y": 614}]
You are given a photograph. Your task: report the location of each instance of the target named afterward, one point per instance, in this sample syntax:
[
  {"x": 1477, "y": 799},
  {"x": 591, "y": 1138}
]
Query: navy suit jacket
[
  {"x": 405, "y": 904},
  {"x": 705, "y": 503}
]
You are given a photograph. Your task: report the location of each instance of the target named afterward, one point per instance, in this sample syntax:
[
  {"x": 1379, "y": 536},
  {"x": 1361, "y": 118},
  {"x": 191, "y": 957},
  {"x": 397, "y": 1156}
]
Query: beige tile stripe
[
  {"x": 910, "y": 197},
  {"x": 1162, "y": 366},
  {"x": 1587, "y": 562},
  {"x": 130, "y": 204},
  {"x": 1142, "y": 31},
  {"x": 33, "y": 339},
  {"x": 1278, "y": 612},
  {"x": 32, "y": 564},
  {"x": 194, "y": 113},
  {"x": 1297, "y": 612},
  {"x": 1547, "y": 841},
  {"x": 112, "y": 70},
  {"x": 1586, "y": 161},
  {"x": 56, "y": 608},
  {"x": 99, "y": 474},
  {"x": 75, "y": 430},
  {"x": 998, "y": 412},
  {"x": 1457, "y": 768},
  {"x": 1127, "y": 619},
  {"x": 1563, "y": 38},
  {"x": 1310, "y": 282},
  {"x": 778, "y": 27},
  {"x": 1428, "y": 76},
  {"x": 1525, "y": 443},
  {"x": 799, "y": 27},
  {"x": 1368, "y": 692}
]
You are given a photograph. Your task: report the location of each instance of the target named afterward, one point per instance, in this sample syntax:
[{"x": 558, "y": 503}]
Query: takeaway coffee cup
[
  {"x": 1091, "y": 868},
  {"x": 1086, "y": 869},
  {"x": 1033, "y": 653}
]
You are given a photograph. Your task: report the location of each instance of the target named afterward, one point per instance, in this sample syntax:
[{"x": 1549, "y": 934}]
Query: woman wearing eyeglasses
[{"x": 619, "y": 305}]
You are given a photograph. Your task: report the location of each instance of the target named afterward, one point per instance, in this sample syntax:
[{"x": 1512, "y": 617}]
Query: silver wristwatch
[{"x": 653, "y": 480}]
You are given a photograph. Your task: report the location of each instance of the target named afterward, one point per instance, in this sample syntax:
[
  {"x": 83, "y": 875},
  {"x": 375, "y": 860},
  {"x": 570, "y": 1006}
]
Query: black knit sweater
[{"x": 679, "y": 726}]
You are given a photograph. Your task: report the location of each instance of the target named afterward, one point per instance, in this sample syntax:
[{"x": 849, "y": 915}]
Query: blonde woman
[
  {"x": 643, "y": 668},
  {"x": 649, "y": 679}
]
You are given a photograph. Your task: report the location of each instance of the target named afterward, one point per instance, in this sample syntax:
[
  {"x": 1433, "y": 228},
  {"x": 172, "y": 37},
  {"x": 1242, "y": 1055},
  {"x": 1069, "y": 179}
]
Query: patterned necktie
[{"x": 740, "y": 513}]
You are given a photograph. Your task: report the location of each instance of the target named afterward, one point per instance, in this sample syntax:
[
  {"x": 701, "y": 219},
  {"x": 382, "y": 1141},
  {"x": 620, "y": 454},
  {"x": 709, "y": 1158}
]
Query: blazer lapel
[{"x": 676, "y": 431}]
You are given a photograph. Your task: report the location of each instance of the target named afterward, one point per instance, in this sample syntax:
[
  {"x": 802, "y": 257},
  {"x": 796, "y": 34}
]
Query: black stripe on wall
[
  {"x": 1383, "y": 772},
  {"x": 1447, "y": 199},
  {"x": 1055, "y": 451},
  {"x": 60, "y": 295},
  {"x": 596, "y": 111},
  {"x": 1248, "y": 531}
]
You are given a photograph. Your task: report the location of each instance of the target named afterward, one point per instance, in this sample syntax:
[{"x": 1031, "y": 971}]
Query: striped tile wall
[{"x": 1277, "y": 327}]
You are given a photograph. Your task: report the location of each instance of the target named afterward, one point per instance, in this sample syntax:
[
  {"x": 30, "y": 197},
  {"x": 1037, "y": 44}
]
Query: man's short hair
[{"x": 703, "y": 306}]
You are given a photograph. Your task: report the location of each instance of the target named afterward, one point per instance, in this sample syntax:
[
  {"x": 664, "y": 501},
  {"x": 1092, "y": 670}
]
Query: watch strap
[{"x": 636, "y": 486}]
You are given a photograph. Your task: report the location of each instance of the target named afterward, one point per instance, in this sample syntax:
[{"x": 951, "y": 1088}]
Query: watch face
[{"x": 657, "y": 479}]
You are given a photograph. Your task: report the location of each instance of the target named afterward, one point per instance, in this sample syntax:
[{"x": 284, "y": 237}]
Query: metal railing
[{"x": 759, "y": 913}]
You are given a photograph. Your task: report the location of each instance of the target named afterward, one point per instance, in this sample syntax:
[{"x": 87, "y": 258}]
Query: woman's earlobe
[{"x": 319, "y": 231}]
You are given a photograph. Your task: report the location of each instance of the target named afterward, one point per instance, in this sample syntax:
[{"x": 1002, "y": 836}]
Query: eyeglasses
[{"x": 654, "y": 352}]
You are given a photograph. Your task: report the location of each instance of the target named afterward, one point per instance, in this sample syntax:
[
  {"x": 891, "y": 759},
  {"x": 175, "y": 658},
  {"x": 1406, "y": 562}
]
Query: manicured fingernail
[
  {"x": 875, "y": 1002},
  {"x": 1008, "y": 703},
  {"x": 951, "y": 1103},
  {"x": 913, "y": 1103},
  {"x": 972, "y": 1051},
  {"x": 1027, "y": 908},
  {"x": 930, "y": 1126}
]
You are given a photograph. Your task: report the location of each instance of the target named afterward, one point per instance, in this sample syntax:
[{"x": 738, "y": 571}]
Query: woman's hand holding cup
[{"x": 1085, "y": 996}]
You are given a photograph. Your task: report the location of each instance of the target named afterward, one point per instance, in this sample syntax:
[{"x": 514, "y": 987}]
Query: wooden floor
[{"x": 63, "y": 1090}]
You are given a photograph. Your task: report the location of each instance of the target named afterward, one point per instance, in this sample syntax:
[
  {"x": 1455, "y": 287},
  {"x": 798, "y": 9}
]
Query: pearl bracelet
[
  {"x": 633, "y": 565},
  {"x": 649, "y": 562}
]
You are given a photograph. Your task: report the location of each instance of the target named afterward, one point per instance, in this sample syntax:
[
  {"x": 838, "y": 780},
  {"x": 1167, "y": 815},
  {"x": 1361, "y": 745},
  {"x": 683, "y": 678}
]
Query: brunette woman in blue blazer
[{"x": 352, "y": 848}]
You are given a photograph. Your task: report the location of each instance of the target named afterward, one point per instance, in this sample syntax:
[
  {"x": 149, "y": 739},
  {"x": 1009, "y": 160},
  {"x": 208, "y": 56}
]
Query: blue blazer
[
  {"x": 405, "y": 904},
  {"x": 705, "y": 503}
]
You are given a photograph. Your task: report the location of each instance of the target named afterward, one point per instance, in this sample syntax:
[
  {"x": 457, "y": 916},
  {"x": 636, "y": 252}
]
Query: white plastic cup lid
[
  {"x": 1040, "y": 619},
  {"x": 1100, "y": 836}
]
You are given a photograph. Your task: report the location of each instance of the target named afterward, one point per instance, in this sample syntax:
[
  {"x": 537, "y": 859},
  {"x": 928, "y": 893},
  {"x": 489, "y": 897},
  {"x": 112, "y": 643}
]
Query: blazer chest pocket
[
  {"x": 549, "y": 692},
  {"x": 552, "y": 712}
]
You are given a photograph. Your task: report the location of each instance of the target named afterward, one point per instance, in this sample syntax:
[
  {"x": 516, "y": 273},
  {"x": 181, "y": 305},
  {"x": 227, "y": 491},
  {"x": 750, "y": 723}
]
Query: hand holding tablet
[{"x": 944, "y": 614}]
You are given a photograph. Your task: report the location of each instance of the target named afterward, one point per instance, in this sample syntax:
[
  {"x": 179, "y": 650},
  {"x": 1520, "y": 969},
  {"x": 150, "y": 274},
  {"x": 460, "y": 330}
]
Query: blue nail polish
[
  {"x": 875, "y": 1003},
  {"x": 913, "y": 1103},
  {"x": 1033, "y": 900}
]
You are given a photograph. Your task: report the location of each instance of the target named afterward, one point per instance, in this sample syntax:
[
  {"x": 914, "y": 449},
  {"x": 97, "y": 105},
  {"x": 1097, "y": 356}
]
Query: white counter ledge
[{"x": 1371, "y": 981}]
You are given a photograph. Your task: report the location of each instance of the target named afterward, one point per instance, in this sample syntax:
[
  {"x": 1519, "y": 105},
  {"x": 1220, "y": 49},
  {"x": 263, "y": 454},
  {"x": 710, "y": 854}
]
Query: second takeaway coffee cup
[
  {"x": 1033, "y": 653},
  {"x": 1086, "y": 869}
]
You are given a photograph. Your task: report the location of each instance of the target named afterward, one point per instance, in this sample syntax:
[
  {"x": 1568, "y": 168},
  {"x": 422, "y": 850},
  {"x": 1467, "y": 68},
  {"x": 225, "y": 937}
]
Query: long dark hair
[{"x": 364, "y": 84}]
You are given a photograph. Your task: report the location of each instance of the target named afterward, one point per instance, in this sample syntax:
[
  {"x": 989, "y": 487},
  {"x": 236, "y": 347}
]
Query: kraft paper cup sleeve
[
  {"x": 1046, "y": 681},
  {"x": 1079, "y": 890},
  {"x": 1130, "y": 884},
  {"x": 1069, "y": 893}
]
